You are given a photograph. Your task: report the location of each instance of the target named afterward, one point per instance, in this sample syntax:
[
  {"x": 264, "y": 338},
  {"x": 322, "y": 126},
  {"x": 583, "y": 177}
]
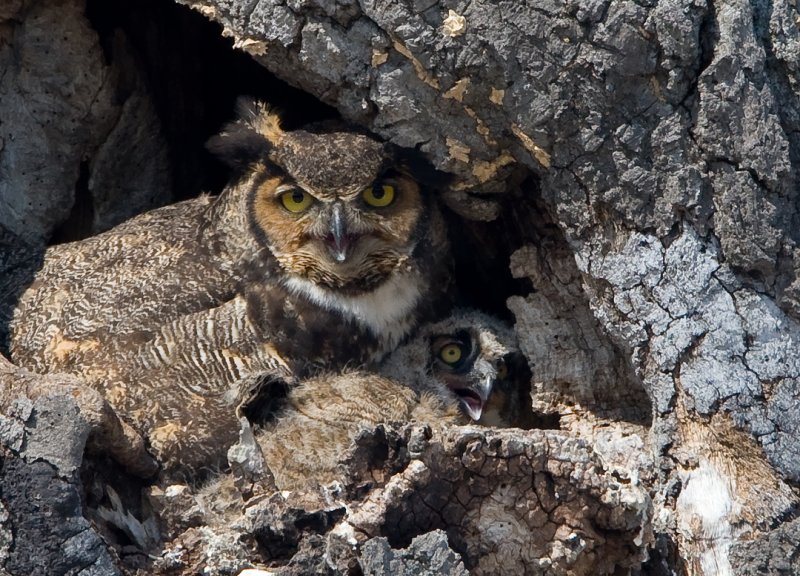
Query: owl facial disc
[{"x": 469, "y": 364}]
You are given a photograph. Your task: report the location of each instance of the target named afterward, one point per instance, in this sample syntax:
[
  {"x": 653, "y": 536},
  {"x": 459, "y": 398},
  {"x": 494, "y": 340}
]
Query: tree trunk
[{"x": 625, "y": 183}]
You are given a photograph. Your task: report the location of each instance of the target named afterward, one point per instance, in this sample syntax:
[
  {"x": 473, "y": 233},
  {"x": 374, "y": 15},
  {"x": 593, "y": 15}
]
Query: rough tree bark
[
  {"x": 643, "y": 160},
  {"x": 67, "y": 119}
]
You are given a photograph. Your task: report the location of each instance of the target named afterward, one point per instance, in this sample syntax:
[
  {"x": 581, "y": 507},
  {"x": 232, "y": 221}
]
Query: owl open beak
[
  {"x": 338, "y": 241},
  {"x": 474, "y": 399}
]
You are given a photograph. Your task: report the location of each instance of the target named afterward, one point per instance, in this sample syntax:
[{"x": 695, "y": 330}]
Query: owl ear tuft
[{"x": 248, "y": 140}]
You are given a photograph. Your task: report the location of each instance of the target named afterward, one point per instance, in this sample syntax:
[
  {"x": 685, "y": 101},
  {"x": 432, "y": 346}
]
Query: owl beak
[
  {"x": 473, "y": 399},
  {"x": 337, "y": 240}
]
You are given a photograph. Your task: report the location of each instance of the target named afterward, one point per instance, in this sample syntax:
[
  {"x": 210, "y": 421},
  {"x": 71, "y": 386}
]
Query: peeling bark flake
[
  {"x": 454, "y": 25},
  {"x": 458, "y": 150},
  {"x": 538, "y": 153}
]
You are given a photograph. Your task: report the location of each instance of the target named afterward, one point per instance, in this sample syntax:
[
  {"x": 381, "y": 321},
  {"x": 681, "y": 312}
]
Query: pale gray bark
[
  {"x": 642, "y": 159},
  {"x": 72, "y": 124}
]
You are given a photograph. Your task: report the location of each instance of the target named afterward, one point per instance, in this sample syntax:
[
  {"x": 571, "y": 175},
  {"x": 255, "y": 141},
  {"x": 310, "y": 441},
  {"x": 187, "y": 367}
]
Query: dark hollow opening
[{"x": 194, "y": 76}]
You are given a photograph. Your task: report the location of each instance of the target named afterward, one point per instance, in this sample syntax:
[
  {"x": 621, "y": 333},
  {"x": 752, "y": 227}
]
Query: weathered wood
[
  {"x": 73, "y": 124},
  {"x": 642, "y": 161}
]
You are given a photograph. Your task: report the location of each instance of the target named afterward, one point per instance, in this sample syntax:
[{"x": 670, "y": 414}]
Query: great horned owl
[
  {"x": 322, "y": 232},
  {"x": 323, "y": 250},
  {"x": 185, "y": 385},
  {"x": 464, "y": 368},
  {"x": 469, "y": 347}
]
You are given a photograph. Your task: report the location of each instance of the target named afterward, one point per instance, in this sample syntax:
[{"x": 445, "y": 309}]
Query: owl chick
[
  {"x": 465, "y": 368},
  {"x": 476, "y": 356},
  {"x": 456, "y": 371},
  {"x": 452, "y": 372},
  {"x": 321, "y": 232}
]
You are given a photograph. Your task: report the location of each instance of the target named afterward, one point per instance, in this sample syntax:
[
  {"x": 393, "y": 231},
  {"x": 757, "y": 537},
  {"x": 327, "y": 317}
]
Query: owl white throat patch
[{"x": 387, "y": 311}]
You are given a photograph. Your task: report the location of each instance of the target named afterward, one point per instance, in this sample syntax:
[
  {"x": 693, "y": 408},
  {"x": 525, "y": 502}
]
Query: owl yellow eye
[
  {"x": 451, "y": 353},
  {"x": 379, "y": 195},
  {"x": 502, "y": 370},
  {"x": 296, "y": 200}
]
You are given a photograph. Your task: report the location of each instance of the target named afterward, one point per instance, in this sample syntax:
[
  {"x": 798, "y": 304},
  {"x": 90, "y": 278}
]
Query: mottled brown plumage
[
  {"x": 304, "y": 446},
  {"x": 323, "y": 251},
  {"x": 419, "y": 382}
]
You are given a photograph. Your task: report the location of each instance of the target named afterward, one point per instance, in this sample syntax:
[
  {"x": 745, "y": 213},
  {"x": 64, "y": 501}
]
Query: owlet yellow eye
[
  {"x": 451, "y": 353},
  {"x": 502, "y": 370},
  {"x": 379, "y": 195},
  {"x": 296, "y": 200}
]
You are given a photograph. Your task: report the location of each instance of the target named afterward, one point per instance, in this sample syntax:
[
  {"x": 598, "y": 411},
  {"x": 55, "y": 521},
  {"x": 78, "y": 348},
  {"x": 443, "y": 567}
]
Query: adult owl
[{"x": 325, "y": 240}]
